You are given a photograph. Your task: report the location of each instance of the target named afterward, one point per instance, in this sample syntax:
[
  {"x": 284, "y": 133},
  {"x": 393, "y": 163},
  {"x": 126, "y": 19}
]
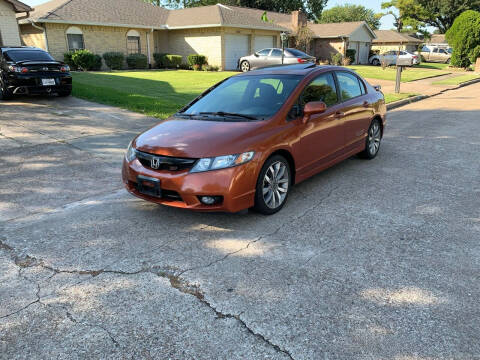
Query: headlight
[
  {"x": 222, "y": 162},
  {"x": 130, "y": 155}
]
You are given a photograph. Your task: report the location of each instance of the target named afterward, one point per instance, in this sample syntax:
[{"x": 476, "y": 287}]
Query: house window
[
  {"x": 133, "y": 42},
  {"x": 75, "y": 39}
]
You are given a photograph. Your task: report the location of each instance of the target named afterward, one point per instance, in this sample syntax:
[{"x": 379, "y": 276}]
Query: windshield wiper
[{"x": 223, "y": 113}]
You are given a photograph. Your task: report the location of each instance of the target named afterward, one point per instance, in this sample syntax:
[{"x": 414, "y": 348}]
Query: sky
[{"x": 375, "y": 5}]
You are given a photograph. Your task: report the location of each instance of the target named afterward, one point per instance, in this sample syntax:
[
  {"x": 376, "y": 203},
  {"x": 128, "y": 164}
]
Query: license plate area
[
  {"x": 48, "y": 82},
  {"x": 149, "y": 186}
]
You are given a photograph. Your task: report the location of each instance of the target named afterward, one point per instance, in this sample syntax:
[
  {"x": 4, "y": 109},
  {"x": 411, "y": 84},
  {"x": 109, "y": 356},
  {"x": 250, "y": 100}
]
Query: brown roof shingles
[
  {"x": 392, "y": 36},
  {"x": 19, "y": 6},
  {"x": 335, "y": 30}
]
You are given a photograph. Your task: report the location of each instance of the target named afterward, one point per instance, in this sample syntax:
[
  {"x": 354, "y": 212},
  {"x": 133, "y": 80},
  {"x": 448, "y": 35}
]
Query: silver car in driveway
[{"x": 273, "y": 56}]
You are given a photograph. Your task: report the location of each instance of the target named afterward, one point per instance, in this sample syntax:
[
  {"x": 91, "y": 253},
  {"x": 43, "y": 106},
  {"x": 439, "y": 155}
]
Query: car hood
[{"x": 191, "y": 138}]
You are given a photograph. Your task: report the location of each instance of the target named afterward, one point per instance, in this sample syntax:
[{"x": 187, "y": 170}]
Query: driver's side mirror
[
  {"x": 313, "y": 107},
  {"x": 256, "y": 54}
]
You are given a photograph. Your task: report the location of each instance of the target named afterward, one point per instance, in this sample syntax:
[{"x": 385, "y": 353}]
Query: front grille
[
  {"x": 43, "y": 68},
  {"x": 168, "y": 195},
  {"x": 160, "y": 162}
]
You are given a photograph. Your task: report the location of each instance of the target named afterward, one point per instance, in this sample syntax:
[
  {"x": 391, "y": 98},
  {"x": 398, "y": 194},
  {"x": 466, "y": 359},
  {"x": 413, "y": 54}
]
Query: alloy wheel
[
  {"x": 374, "y": 137},
  {"x": 245, "y": 66},
  {"x": 275, "y": 185}
]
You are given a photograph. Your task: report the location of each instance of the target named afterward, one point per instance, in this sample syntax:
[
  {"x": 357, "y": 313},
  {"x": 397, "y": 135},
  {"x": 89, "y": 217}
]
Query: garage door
[
  {"x": 236, "y": 46},
  {"x": 262, "y": 42}
]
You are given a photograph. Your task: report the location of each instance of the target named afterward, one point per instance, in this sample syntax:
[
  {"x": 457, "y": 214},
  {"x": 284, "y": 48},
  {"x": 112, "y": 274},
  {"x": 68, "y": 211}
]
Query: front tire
[
  {"x": 273, "y": 185},
  {"x": 375, "y": 62},
  {"x": 374, "y": 137},
  {"x": 245, "y": 66}
]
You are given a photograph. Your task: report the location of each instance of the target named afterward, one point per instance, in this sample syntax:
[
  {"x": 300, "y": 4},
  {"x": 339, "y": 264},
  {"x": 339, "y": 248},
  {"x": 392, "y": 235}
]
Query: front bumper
[
  {"x": 181, "y": 189},
  {"x": 32, "y": 83}
]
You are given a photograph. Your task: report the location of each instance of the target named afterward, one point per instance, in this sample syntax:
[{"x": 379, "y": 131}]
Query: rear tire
[
  {"x": 245, "y": 66},
  {"x": 5, "y": 94},
  {"x": 372, "y": 143},
  {"x": 65, "y": 93},
  {"x": 273, "y": 185},
  {"x": 375, "y": 62}
]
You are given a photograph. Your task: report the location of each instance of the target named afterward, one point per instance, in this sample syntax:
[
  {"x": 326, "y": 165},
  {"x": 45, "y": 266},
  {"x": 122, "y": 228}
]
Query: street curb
[{"x": 397, "y": 104}]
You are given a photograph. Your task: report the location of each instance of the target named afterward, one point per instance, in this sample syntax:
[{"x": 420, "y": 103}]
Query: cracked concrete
[{"x": 368, "y": 260}]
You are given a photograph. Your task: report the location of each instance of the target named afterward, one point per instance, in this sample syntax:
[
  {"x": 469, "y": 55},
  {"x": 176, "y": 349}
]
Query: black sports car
[{"x": 29, "y": 70}]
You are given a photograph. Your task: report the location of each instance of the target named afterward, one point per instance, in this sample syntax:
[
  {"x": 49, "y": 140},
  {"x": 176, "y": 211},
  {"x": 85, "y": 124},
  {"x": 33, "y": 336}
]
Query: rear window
[
  {"x": 27, "y": 55},
  {"x": 296, "y": 52}
]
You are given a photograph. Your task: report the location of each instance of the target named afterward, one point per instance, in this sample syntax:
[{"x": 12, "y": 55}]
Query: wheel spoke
[
  {"x": 266, "y": 190},
  {"x": 281, "y": 172}
]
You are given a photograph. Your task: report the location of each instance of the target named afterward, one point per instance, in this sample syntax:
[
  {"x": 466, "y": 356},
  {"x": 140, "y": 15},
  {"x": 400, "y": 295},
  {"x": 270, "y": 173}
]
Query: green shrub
[
  {"x": 160, "y": 60},
  {"x": 85, "y": 60},
  {"x": 97, "y": 63},
  {"x": 174, "y": 60},
  {"x": 351, "y": 55},
  {"x": 67, "y": 59},
  {"x": 194, "y": 59},
  {"x": 137, "y": 61},
  {"x": 114, "y": 60},
  {"x": 475, "y": 54},
  {"x": 337, "y": 59},
  {"x": 464, "y": 37},
  {"x": 206, "y": 67}
]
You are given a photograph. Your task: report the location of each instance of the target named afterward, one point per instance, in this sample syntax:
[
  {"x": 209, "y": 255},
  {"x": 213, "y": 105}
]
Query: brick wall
[
  {"x": 207, "y": 41},
  {"x": 9, "y": 34},
  {"x": 97, "y": 39},
  {"x": 323, "y": 49},
  {"x": 32, "y": 36}
]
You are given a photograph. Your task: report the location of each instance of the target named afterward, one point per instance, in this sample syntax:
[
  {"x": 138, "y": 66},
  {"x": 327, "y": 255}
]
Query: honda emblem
[{"x": 155, "y": 162}]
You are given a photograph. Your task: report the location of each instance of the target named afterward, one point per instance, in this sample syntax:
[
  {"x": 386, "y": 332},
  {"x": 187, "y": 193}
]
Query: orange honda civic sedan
[{"x": 247, "y": 140}]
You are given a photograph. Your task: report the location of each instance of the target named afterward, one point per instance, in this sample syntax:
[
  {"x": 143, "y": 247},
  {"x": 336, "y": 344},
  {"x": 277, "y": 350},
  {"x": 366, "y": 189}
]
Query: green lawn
[
  {"x": 409, "y": 74},
  {"x": 457, "y": 79},
  {"x": 395, "y": 97},
  {"x": 154, "y": 93},
  {"x": 435, "y": 66}
]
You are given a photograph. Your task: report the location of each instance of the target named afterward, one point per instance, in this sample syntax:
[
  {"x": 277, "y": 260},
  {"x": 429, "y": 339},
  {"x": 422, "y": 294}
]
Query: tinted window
[
  {"x": 264, "y": 52},
  {"x": 442, "y": 51},
  {"x": 435, "y": 50},
  {"x": 27, "y": 55},
  {"x": 276, "y": 53},
  {"x": 426, "y": 48},
  {"x": 295, "y": 52},
  {"x": 349, "y": 85},
  {"x": 75, "y": 41},
  {"x": 321, "y": 89},
  {"x": 260, "y": 96}
]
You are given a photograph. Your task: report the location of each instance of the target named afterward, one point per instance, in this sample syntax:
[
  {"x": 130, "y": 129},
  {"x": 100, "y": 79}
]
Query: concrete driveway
[{"x": 368, "y": 260}]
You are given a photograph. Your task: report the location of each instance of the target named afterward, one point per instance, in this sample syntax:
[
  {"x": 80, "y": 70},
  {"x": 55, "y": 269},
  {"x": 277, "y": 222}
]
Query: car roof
[
  {"x": 294, "y": 69},
  {"x": 14, "y": 48}
]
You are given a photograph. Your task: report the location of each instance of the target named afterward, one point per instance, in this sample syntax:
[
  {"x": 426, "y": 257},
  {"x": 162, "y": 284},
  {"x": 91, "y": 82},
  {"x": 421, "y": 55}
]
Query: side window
[
  {"x": 349, "y": 85},
  {"x": 133, "y": 42},
  {"x": 442, "y": 51},
  {"x": 264, "y": 52},
  {"x": 321, "y": 89},
  {"x": 435, "y": 50},
  {"x": 75, "y": 39},
  {"x": 426, "y": 48},
  {"x": 276, "y": 53}
]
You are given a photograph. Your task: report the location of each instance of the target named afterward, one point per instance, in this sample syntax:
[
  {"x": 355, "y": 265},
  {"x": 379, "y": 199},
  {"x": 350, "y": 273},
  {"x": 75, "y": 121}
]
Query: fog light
[{"x": 210, "y": 200}]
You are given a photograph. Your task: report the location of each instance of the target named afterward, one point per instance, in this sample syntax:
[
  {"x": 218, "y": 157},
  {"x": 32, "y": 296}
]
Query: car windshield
[
  {"x": 245, "y": 98},
  {"x": 28, "y": 55},
  {"x": 296, "y": 52}
]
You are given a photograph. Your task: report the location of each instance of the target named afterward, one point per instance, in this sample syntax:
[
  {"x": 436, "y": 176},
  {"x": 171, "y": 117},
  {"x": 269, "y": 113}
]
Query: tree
[
  {"x": 440, "y": 13},
  {"x": 403, "y": 23},
  {"x": 313, "y": 8},
  {"x": 464, "y": 37},
  {"x": 348, "y": 12}
]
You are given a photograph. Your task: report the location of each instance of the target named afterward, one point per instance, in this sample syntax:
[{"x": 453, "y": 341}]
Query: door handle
[
  {"x": 339, "y": 115},
  {"x": 365, "y": 104}
]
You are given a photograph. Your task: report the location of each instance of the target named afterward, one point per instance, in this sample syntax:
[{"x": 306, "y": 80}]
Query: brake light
[
  {"x": 301, "y": 61},
  {"x": 18, "y": 69},
  {"x": 415, "y": 57}
]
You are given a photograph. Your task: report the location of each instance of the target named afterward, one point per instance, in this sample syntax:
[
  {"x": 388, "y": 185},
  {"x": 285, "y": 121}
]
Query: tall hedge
[
  {"x": 195, "y": 59},
  {"x": 137, "y": 61},
  {"x": 464, "y": 36},
  {"x": 114, "y": 60},
  {"x": 86, "y": 60}
]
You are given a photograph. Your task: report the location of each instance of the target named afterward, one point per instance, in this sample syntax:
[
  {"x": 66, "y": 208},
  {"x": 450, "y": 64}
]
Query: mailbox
[{"x": 404, "y": 61}]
